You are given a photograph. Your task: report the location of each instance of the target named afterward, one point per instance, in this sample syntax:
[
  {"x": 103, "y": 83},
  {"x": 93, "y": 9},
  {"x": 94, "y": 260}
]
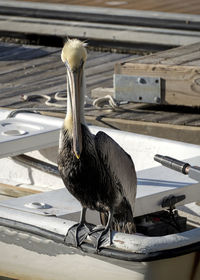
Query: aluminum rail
[{"x": 125, "y": 247}]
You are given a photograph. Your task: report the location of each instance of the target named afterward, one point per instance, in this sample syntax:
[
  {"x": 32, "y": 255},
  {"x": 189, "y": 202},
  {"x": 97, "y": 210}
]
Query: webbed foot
[
  {"x": 101, "y": 237},
  {"x": 77, "y": 234}
]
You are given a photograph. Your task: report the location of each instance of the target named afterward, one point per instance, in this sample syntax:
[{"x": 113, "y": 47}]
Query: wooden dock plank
[
  {"x": 178, "y": 6},
  {"x": 164, "y": 56},
  {"x": 132, "y": 112},
  {"x": 189, "y": 134},
  {"x": 177, "y": 68},
  {"x": 9, "y": 191},
  {"x": 122, "y": 34},
  {"x": 40, "y": 71},
  {"x": 44, "y": 73}
]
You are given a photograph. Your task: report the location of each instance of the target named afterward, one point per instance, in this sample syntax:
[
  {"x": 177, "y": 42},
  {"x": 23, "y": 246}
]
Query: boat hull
[
  {"x": 27, "y": 256},
  {"x": 32, "y": 239}
]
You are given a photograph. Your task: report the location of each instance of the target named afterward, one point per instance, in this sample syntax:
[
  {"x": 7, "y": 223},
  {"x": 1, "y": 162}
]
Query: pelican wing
[{"x": 119, "y": 163}]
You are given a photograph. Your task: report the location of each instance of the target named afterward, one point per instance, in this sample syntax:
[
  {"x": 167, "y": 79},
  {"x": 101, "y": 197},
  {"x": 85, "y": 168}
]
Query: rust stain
[{"x": 119, "y": 241}]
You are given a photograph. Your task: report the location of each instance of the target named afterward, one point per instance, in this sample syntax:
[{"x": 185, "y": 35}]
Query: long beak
[{"x": 75, "y": 82}]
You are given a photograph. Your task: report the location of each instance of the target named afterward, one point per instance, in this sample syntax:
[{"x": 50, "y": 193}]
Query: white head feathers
[{"x": 74, "y": 53}]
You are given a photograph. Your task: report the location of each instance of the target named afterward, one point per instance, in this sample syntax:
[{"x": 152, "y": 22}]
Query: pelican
[{"x": 94, "y": 168}]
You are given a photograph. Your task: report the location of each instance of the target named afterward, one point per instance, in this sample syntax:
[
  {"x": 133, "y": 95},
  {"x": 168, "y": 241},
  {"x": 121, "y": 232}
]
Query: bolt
[
  {"x": 142, "y": 81},
  {"x": 157, "y": 99}
]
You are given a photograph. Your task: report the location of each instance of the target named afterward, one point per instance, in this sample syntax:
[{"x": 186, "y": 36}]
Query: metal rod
[
  {"x": 173, "y": 163},
  {"x": 192, "y": 171},
  {"x": 38, "y": 164}
]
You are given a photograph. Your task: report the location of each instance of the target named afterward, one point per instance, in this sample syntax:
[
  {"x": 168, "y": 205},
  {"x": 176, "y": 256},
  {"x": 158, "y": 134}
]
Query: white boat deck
[
  {"x": 153, "y": 186},
  {"x": 27, "y": 132}
]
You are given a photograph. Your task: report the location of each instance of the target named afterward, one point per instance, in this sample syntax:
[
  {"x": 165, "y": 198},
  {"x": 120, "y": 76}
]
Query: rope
[
  {"x": 107, "y": 100},
  {"x": 48, "y": 98},
  {"x": 99, "y": 103}
]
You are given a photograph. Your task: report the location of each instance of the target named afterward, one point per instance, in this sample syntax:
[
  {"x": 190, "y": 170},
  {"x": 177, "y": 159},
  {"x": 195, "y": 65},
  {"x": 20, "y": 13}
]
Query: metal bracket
[
  {"x": 171, "y": 200},
  {"x": 137, "y": 89}
]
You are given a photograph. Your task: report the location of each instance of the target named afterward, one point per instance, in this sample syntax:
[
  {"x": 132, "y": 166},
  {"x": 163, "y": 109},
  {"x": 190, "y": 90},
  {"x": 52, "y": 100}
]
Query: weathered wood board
[
  {"x": 8, "y": 191},
  {"x": 169, "y": 6},
  {"x": 179, "y": 68},
  {"x": 32, "y": 70}
]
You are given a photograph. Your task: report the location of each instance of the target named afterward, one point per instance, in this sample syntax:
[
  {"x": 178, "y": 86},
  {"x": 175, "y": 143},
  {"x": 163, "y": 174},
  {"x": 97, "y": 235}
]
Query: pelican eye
[
  {"x": 76, "y": 67},
  {"x": 81, "y": 63}
]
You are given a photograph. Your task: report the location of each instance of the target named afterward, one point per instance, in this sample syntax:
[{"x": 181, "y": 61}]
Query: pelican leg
[
  {"x": 101, "y": 236},
  {"x": 78, "y": 232}
]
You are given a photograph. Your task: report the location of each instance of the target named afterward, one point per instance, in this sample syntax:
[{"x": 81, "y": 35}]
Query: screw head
[
  {"x": 157, "y": 99},
  {"x": 142, "y": 81}
]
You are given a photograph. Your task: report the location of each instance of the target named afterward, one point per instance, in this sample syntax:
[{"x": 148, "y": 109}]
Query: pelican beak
[{"x": 75, "y": 78}]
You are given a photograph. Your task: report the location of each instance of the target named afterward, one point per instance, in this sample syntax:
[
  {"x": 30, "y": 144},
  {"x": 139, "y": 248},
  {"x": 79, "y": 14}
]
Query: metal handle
[{"x": 173, "y": 163}]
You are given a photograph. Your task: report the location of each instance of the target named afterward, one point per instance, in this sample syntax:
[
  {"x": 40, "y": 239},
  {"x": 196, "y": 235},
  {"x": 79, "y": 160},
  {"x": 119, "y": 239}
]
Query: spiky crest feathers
[{"x": 74, "y": 53}]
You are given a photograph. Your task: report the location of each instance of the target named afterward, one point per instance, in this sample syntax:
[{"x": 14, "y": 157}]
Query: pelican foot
[
  {"x": 101, "y": 237},
  {"x": 77, "y": 234}
]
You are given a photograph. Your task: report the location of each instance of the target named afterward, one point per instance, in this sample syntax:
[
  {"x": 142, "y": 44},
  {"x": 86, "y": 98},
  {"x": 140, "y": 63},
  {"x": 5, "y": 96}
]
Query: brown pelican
[{"x": 94, "y": 168}]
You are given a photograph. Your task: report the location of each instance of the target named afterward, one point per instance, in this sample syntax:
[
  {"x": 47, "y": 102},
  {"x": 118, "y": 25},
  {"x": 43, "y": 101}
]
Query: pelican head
[{"x": 74, "y": 56}]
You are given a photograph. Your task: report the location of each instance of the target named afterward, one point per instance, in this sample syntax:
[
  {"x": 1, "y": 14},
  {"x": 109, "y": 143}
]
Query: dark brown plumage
[
  {"x": 94, "y": 168},
  {"x": 96, "y": 181}
]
